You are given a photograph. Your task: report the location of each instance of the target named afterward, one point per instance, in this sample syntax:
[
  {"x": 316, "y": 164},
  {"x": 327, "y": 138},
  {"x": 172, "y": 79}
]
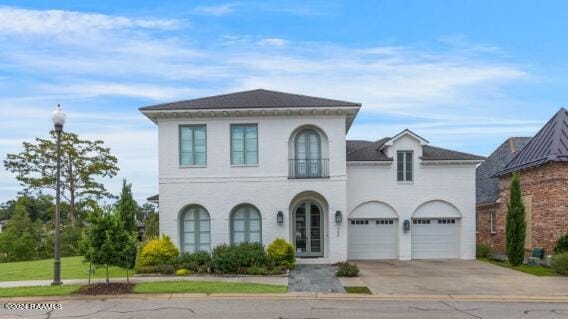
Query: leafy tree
[
  {"x": 127, "y": 208},
  {"x": 144, "y": 211},
  {"x": 516, "y": 226},
  {"x": 151, "y": 226},
  {"x": 40, "y": 207},
  {"x": 19, "y": 240},
  {"x": 105, "y": 243},
  {"x": 83, "y": 163}
]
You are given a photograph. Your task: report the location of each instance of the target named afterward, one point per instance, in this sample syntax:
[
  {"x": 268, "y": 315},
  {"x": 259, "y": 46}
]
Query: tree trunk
[
  {"x": 127, "y": 279},
  {"x": 108, "y": 282},
  {"x": 90, "y": 271}
]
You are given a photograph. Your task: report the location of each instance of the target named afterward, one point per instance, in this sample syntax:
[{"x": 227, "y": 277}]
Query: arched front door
[{"x": 308, "y": 229}]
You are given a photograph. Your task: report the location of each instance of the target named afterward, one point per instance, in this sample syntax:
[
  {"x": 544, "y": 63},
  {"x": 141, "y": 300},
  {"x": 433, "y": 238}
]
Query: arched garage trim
[
  {"x": 436, "y": 209},
  {"x": 373, "y": 210}
]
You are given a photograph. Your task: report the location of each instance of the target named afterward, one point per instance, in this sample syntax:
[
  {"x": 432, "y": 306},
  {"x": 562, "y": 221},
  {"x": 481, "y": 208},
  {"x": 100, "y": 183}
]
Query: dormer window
[{"x": 404, "y": 172}]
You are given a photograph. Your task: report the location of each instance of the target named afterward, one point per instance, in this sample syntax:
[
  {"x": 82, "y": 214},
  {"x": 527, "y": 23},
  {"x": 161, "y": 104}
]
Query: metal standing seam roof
[
  {"x": 258, "y": 98},
  {"x": 550, "y": 144},
  {"x": 487, "y": 186}
]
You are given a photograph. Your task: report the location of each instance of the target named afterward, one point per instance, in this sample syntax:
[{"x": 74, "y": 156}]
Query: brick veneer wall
[{"x": 545, "y": 194}]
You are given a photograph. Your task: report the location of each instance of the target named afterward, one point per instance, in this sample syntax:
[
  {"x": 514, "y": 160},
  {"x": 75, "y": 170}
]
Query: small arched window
[
  {"x": 195, "y": 229},
  {"x": 246, "y": 225}
]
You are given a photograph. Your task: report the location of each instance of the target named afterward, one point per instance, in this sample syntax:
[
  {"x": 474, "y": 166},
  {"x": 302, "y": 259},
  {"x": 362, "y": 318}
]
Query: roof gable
[
  {"x": 550, "y": 144},
  {"x": 258, "y": 98},
  {"x": 406, "y": 132},
  {"x": 487, "y": 186}
]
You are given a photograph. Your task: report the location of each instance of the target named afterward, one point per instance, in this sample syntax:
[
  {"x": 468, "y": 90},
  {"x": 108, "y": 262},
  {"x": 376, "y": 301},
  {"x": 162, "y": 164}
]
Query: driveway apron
[{"x": 314, "y": 278}]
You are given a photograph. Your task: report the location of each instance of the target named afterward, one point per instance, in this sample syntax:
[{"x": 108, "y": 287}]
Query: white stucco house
[{"x": 257, "y": 165}]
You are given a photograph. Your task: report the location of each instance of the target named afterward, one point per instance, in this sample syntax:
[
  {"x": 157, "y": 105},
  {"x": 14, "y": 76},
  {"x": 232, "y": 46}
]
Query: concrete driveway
[{"x": 460, "y": 277}]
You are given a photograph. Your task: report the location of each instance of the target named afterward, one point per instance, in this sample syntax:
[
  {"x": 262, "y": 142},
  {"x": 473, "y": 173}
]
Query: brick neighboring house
[{"x": 543, "y": 165}]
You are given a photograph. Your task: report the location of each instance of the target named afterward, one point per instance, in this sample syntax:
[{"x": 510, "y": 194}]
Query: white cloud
[
  {"x": 276, "y": 42},
  {"x": 218, "y": 10},
  {"x": 56, "y": 22}
]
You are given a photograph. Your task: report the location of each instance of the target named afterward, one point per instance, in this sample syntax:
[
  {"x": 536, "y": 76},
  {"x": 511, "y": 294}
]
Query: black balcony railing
[{"x": 308, "y": 168}]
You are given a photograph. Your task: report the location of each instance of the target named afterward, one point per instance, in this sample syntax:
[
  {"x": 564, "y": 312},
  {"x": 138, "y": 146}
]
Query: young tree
[
  {"x": 516, "y": 226},
  {"x": 145, "y": 210},
  {"x": 105, "y": 243},
  {"x": 83, "y": 162},
  {"x": 151, "y": 226},
  {"x": 19, "y": 239},
  {"x": 127, "y": 207}
]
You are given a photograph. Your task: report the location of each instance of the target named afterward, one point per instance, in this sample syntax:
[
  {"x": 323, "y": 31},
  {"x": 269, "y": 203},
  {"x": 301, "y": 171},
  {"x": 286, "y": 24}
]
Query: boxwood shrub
[
  {"x": 235, "y": 259},
  {"x": 560, "y": 263}
]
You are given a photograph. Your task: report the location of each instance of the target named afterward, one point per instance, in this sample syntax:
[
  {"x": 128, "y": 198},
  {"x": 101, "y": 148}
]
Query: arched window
[
  {"x": 308, "y": 154},
  {"x": 195, "y": 229},
  {"x": 246, "y": 225}
]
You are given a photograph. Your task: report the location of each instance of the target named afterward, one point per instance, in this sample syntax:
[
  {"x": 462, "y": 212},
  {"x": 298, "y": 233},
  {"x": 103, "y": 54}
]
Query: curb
[{"x": 295, "y": 296}]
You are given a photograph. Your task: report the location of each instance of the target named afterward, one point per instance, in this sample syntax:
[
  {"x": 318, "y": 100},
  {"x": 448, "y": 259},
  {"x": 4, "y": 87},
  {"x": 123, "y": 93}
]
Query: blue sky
[{"x": 464, "y": 74}]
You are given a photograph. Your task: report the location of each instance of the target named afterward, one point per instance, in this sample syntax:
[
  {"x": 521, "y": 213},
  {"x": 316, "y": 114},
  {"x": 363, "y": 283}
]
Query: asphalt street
[{"x": 249, "y": 308}]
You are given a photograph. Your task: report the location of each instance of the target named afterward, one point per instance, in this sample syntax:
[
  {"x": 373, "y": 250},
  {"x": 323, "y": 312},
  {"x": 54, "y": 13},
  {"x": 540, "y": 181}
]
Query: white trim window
[
  {"x": 244, "y": 144},
  {"x": 404, "y": 171},
  {"x": 493, "y": 218}
]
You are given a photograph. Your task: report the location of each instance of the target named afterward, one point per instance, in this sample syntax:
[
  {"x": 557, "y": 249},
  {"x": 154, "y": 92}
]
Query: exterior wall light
[
  {"x": 338, "y": 217},
  {"x": 280, "y": 218}
]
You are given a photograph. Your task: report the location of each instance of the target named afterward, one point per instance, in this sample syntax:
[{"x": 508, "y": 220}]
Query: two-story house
[{"x": 257, "y": 165}]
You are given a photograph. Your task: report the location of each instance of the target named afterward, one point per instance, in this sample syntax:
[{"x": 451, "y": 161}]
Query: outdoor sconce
[
  {"x": 406, "y": 225},
  {"x": 338, "y": 217},
  {"x": 280, "y": 218}
]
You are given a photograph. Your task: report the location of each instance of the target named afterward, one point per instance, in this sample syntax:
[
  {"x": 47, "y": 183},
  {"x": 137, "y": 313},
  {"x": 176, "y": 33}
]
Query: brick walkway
[{"x": 314, "y": 278}]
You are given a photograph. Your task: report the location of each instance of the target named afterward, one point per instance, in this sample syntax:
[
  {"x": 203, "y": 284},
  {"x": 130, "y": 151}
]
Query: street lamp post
[{"x": 58, "y": 119}]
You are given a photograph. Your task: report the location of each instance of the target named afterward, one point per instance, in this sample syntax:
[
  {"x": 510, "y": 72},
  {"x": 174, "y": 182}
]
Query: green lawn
[
  {"x": 39, "y": 291},
  {"x": 358, "y": 290},
  {"x": 71, "y": 268},
  {"x": 533, "y": 270},
  {"x": 206, "y": 287}
]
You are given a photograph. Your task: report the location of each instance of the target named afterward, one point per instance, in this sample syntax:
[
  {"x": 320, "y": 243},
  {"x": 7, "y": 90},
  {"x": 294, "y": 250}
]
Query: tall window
[
  {"x": 196, "y": 230},
  {"x": 308, "y": 154},
  {"x": 493, "y": 216},
  {"x": 404, "y": 166},
  {"x": 246, "y": 225},
  {"x": 244, "y": 144},
  {"x": 193, "y": 145}
]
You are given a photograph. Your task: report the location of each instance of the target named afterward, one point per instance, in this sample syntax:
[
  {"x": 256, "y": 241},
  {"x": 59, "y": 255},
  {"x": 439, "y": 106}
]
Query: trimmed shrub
[
  {"x": 235, "y": 259},
  {"x": 156, "y": 269},
  {"x": 346, "y": 269},
  {"x": 182, "y": 272},
  {"x": 196, "y": 259},
  {"x": 560, "y": 263},
  {"x": 484, "y": 251},
  {"x": 158, "y": 252},
  {"x": 561, "y": 245},
  {"x": 516, "y": 226},
  {"x": 278, "y": 270},
  {"x": 257, "y": 270},
  {"x": 282, "y": 253}
]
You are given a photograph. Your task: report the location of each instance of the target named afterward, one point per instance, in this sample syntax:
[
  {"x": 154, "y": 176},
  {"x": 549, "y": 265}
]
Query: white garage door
[
  {"x": 434, "y": 238},
  {"x": 373, "y": 239}
]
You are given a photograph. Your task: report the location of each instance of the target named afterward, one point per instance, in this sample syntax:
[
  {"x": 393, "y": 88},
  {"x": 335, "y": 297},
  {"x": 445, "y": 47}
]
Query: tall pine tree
[
  {"x": 516, "y": 226},
  {"x": 127, "y": 207}
]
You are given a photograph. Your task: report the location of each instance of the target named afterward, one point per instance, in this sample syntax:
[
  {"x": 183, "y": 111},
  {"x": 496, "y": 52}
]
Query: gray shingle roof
[
  {"x": 550, "y": 144},
  {"x": 366, "y": 150},
  {"x": 259, "y": 98},
  {"x": 358, "y": 150},
  {"x": 153, "y": 198},
  {"x": 432, "y": 153},
  {"x": 487, "y": 186}
]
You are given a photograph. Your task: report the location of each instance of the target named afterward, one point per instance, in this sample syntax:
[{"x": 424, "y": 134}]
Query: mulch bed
[{"x": 104, "y": 289}]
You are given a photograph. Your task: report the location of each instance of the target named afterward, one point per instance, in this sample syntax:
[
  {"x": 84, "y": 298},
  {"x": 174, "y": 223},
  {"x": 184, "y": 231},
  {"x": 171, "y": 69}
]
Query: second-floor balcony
[{"x": 308, "y": 168}]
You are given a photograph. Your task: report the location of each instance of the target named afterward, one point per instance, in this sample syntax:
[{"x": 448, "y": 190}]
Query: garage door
[
  {"x": 373, "y": 239},
  {"x": 434, "y": 238}
]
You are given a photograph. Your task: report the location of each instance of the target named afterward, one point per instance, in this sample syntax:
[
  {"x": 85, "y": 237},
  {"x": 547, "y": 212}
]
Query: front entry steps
[{"x": 314, "y": 278}]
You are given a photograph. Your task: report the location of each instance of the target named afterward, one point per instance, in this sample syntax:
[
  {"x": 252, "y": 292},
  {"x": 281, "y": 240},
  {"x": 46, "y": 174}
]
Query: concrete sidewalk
[{"x": 272, "y": 280}]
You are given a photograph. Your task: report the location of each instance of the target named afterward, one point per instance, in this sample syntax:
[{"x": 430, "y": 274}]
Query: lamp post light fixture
[
  {"x": 280, "y": 218},
  {"x": 338, "y": 217},
  {"x": 58, "y": 117}
]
